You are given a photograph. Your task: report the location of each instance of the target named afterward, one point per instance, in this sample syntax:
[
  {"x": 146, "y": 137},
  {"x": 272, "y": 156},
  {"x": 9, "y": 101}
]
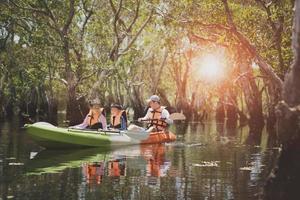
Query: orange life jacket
[
  {"x": 156, "y": 120},
  {"x": 92, "y": 174},
  {"x": 114, "y": 169},
  {"x": 93, "y": 117},
  {"x": 115, "y": 120},
  {"x": 156, "y": 161}
]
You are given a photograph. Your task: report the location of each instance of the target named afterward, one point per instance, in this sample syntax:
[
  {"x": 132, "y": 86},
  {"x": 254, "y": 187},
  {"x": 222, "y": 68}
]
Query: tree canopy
[{"x": 123, "y": 51}]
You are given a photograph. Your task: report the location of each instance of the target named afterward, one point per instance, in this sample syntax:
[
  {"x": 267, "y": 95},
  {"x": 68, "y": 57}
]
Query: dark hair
[{"x": 115, "y": 105}]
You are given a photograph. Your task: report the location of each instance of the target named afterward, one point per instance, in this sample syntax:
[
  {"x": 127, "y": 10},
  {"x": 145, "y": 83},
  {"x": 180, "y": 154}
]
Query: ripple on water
[
  {"x": 206, "y": 164},
  {"x": 183, "y": 145}
]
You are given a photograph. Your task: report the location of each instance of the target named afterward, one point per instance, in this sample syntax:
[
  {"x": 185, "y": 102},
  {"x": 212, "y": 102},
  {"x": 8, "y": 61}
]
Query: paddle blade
[{"x": 177, "y": 116}]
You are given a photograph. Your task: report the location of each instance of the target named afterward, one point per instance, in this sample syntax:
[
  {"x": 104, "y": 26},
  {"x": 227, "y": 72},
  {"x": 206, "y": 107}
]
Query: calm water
[{"x": 206, "y": 162}]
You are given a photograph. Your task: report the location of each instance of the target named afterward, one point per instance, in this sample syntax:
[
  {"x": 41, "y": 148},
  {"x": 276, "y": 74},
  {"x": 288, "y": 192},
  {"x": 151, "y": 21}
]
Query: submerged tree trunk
[
  {"x": 2, "y": 98},
  {"x": 52, "y": 109},
  {"x": 137, "y": 102},
  {"x": 180, "y": 72},
  {"x": 51, "y": 100},
  {"x": 231, "y": 108},
  {"x": 9, "y": 106},
  {"x": 251, "y": 91},
  {"x": 284, "y": 180},
  {"x": 71, "y": 81},
  {"x": 272, "y": 100},
  {"x": 73, "y": 110},
  {"x": 220, "y": 110}
]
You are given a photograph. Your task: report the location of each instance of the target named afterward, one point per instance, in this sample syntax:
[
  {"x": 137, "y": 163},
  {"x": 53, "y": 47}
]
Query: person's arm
[
  {"x": 84, "y": 124},
  {"x": 147, "y": 116},
  {"x": 166, "y": 116},
  {"x": 103, "y": 121}
]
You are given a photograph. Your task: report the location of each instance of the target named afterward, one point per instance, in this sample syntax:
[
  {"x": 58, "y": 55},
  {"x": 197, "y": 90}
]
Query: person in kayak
[
  {"x": 118, "y": 118},
  {"x": 95, "y": 119},
  {"x": 157, "y": 117}
]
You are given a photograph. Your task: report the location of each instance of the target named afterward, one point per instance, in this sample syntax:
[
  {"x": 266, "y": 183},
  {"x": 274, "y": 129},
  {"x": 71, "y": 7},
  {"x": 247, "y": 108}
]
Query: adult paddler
[{"x": 157, "y": 117}]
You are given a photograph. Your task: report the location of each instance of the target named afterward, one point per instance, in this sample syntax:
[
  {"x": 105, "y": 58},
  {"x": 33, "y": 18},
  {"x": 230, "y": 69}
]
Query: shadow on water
[{"x": 208, "y": 161}]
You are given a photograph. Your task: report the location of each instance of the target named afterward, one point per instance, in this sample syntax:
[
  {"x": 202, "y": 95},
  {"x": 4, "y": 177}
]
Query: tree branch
[
  {"x": 277, "y": 33},
  {"x": 62, "y": 80},
  {"x": 137, "y": 34},
  {"x": 135, "y": 16},
  {"x": 265, "y": 68},
  {"x": 70, "y": 17},
  {"x": 205, "y": 41},
  {"x": 82, "y": 78},
  {"x": 158, "y": 76},
  {"x": 115, "y": 48},
  {"x": 29, "y": 8}
]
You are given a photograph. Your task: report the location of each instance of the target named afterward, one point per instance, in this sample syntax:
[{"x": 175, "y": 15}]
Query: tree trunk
[
  {"x": 273, "y": 99},
  {"x": 9, "y": 106},
  {"x": 284, "y": 181},
  {"x": 52, "y": 110},
  {"x": 52, "y": 101},
  {"x": 72, "y": 105},
  {"x": 220, "y": 110},
  {"x": 180, "y": 76},
  {"x": 137, "y": 103},
  {"x": 231, "y": 108},
  {"x": 73, "y": 110},
  {"x": 163, "y": 97},
  {"x": 2, "y": 110},
  {"x": 252, "y": 94}
]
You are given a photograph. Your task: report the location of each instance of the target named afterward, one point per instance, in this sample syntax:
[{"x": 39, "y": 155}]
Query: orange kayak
[{"x": 159, "y": 137}]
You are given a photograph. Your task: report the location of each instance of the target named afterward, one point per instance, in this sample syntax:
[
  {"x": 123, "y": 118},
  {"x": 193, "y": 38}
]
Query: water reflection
[{"x": 208, "y": 161}]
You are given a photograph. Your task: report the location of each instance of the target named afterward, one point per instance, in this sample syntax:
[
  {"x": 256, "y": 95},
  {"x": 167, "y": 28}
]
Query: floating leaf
[
  {"x": 16, "y": 164},
  {"x": 246, "y": 168},
  {"x": 10, "y": 158},
  {"x": 207, "y": 164}
]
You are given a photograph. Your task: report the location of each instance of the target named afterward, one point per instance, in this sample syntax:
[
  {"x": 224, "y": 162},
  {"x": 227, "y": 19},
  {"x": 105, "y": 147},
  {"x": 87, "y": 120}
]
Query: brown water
[{"x": 207, "y": 161}]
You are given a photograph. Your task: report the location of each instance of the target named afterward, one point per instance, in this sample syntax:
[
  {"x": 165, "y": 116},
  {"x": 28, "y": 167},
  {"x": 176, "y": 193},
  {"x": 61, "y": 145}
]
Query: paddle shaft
[
  {"x": 148, "y": 120},
  {"x": 106, "y": 131},
  {"x": 173, "y": 116}
]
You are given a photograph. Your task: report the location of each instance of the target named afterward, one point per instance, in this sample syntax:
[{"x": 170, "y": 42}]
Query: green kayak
[{"x": 53, "y": 137}]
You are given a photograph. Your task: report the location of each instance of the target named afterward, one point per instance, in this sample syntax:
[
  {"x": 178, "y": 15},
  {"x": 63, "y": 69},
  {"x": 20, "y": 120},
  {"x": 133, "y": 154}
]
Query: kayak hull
[
  {"x": 159, "y": 137},
  {"x": 52, "y": 137}
]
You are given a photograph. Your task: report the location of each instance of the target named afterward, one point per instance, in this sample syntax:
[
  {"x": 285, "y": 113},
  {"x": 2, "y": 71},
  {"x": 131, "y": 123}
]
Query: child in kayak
[
  {"x": 157, "y": 117},
  {"x": 95, "y": 119},
  {"x": 118, "y": 118}
]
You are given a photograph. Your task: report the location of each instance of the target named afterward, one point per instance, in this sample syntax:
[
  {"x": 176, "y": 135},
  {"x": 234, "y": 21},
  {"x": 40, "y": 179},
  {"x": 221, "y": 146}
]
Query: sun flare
[{"x": 210, "y": 67}]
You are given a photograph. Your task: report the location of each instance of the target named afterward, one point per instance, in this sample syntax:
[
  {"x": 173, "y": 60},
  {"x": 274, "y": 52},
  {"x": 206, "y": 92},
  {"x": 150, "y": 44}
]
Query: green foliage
[{"x": 32, "y": 52}]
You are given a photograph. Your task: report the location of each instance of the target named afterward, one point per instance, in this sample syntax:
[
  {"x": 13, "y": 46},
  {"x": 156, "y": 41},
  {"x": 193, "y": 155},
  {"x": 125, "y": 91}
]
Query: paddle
[
  {"x": 121, "y": 131},
  {"x": 173, "y": 116},
  {"x": 177, "y": 116},
  {"x": 105, "y": 131}
]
